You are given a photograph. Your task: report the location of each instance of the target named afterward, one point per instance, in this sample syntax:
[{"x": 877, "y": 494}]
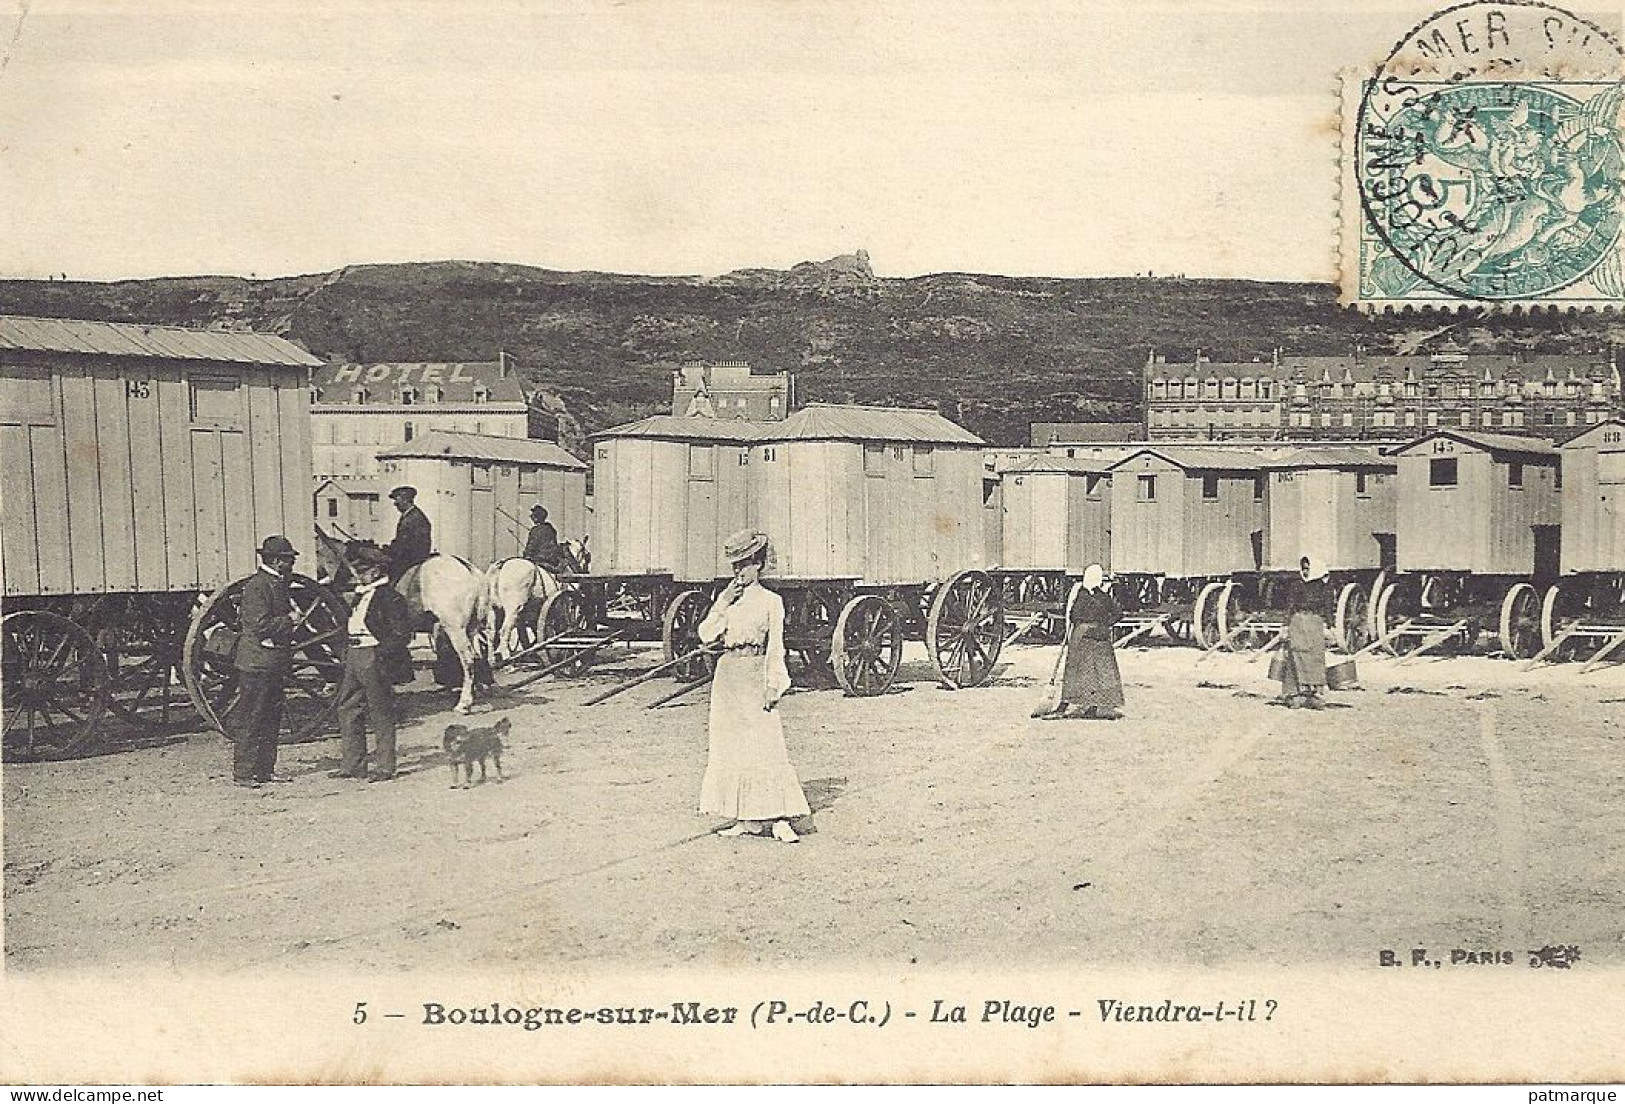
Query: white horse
[
  {"x": 448, "y": 589},
  {"x": 511, "y": 586}
]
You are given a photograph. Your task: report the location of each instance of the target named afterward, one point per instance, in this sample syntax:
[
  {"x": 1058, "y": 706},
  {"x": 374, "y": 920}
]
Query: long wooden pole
[
  {"x": 1613, "y": 642},
  {"x": 686, "y": 688},
  {"x": 1435, "y": 640},
  {"x": 652, "y": 672},
  {"x": 574, "y": 657}
]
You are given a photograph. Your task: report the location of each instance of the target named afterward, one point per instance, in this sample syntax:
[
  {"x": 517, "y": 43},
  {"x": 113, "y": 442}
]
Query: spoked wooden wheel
[
  {"x": 1210, "y": 619},
  {"x": 142, "y": 639},
  {"x": 1521, "y": 622},
  {"x": 1387, "y": 617},
  {"x": 1557, "y": 609},
  {"x": 562, "y": 615},
  {"x": 868, "y": 646},
  {"x": 965, "y": 629},
  {"x": 810, "y": 633},
  {"x": 321, "y": 622},
  {"x": 1353, "y": 620},
  {"x": 680, "y": 635},
  {"x": 55, "y": 686}
]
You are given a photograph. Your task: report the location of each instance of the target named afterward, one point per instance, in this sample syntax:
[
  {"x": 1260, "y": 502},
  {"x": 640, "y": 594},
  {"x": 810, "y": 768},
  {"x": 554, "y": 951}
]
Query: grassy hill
[{"x": 993, "y": 352}]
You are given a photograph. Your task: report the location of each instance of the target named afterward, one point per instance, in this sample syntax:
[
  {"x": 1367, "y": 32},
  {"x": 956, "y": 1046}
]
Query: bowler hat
[
  {"x": 404, "y": 492},
  {"x": 278, "y": 545},
  {"x": 743, "y": 545}
]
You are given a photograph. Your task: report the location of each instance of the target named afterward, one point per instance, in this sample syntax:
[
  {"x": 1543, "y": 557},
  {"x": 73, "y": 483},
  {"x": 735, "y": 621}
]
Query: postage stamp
[{"x": 1481, "y": 164}]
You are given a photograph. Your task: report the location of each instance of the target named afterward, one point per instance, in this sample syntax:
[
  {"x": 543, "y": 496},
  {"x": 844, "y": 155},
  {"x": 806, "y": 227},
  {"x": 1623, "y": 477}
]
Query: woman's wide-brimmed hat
[{"x": 743, "y": 545}]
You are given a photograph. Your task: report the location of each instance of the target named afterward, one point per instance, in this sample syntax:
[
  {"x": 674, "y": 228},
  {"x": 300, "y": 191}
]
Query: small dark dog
[{"x": 466, "y": 746}]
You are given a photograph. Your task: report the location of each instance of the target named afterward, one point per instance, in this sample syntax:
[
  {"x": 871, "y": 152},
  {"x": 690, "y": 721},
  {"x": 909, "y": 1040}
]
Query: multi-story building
[
  {"x": 358, "y": 409},
  {"x": 731, "y": 390},
  {"x": 1362, "y": 396}
]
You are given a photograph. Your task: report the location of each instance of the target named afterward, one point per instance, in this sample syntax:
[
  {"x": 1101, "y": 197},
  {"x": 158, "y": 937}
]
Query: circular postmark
[{"x": 1488, "y": 154}]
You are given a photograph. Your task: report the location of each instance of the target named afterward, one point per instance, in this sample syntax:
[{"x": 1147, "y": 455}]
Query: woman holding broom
[{"x": 1091, "y": 681}]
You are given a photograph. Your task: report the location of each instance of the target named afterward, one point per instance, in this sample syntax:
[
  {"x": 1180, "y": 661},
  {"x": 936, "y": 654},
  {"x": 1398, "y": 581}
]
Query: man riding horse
[
  {"x": 542, "y": 546},
  {"x": 413, "y": 541}
]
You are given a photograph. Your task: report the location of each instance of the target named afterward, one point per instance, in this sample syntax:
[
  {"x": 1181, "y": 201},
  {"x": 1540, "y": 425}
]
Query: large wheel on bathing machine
[
  {"x": 55, "y": 686},
  {"x": 965, "y": 629},
  {"x": 142, "y": 640},
  {"x": 1388, "y": 615},
  {"x": 1557, "y": 608},
  {"x": 1216, "y": 612},
  {"x": 868, "y": 646},
  {"x": 321, "y": 622},
  {"x": 1520, "y": 622},
  {"x": 1353, "y": 620},
  {"x": 680, "y": 635},
  {"x": 562, "y": 614}
]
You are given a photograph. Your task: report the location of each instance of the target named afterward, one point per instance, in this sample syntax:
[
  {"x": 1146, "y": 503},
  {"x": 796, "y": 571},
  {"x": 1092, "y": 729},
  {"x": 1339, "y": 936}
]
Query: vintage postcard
[{"x": 709, "y": 542}]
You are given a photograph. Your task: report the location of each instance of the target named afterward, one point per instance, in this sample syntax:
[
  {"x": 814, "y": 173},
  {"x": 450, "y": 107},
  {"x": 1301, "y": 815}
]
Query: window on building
[
  {"x": 1433, "y": 417},
  {"x": 925, "y": 460},
  {"x": 479, "y": 427},
  {"x": 482, "y": 475},
  {"x": 216, "y": 399},
  {"x": 1092, "y": 484},
  {"x": 1210, "y": 486},
  {"x": 1486, "y": 390},
  {"x": 1515, "y": 474},
  {"x": 1362, "y": 488},
  {"x": 1442, "y": 471},
  {"x": 437, "y": 394},
  {"x": 1466, "y": 418},
  {"x": 411, "y": 430},
  {"x": 1593, "y": 417},
  {"x": 1568, "y": 418},
  {"x": 409, "y": 396},
  {"x": 773, "y": 404},
  {"x": 332, "y": 507},
  {"x": 1410, "y": 418},
  {"x": 1265, "y": 389},
  {"x": 1488, "y": 419},
  {"x": 1326, "y": 419},
  {"x": 530, "y": 480},
  {"x": 874, "y": 459},
  {"x": 1258, "y": 487},
  {"x": 1348, "y": 420},
  {"x": 1146, "y": 488},
  {"x": 358, "y": 396},
  {"x": 1071, "y": 454},
  {"x": 482, "y": 393},
  {"x": 702, "y": 461},
  {"x": 1227, "y": 387}
]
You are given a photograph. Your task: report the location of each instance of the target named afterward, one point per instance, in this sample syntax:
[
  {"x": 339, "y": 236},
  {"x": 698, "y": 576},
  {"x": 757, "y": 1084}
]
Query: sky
[{"x": 174, "y": 137}]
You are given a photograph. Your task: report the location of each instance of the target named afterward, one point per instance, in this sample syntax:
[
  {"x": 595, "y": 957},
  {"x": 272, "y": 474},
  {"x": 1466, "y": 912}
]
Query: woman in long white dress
[{"x": 748, "y": 776}]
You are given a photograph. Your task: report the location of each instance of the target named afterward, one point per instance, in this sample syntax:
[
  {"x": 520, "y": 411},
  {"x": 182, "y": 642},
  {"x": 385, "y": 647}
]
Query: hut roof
[
  {"x": 1082, "y": 465},
  {"x": 442, "y": 444},
  {"x": 829, "y": 422},
  {"x": 670, "y": 427},
  {"x": 1332, "y": 457},
  {"x": 132, "y": 339},
  {"x": 1200, "y": 459},
  {"x": 1499, "y": 444},
  {"x": 1589, "y": 438}
]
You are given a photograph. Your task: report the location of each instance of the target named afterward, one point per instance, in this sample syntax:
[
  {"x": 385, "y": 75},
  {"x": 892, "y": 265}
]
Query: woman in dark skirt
[
  {"x": 1302, "y": 669},
  {"x": 1091, "y": 682}
]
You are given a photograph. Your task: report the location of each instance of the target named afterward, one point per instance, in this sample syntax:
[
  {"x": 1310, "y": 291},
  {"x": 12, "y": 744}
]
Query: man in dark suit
[
  {"x": 413, "y": 541},
  {"x": 375, "y": 662},
  {"x": 263, "y": 656}
]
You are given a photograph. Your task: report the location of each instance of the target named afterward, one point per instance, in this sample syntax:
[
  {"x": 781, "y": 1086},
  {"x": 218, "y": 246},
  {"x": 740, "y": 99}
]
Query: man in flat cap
[
  {"x": 413, "y": 541},
  {"x": 542, "y": 544},
  {"x": 263, "y": 656}
]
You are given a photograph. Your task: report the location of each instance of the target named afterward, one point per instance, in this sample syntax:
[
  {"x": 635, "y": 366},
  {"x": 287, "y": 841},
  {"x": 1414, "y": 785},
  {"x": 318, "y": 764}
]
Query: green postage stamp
[{"x": 1483, "y": 163}]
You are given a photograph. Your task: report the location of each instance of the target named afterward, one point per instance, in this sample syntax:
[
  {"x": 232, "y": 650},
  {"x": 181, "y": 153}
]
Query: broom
[{"x": 1051, "y": 700}]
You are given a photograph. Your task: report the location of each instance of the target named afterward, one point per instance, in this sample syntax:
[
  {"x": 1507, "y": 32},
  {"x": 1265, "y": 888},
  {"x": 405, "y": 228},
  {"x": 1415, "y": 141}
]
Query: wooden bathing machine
[
  {"x": 1478, "y": 536},
  {"x": 478, "y": 490},
  {"x": 143, "y": 465},
  {"x": 1582, "y": 614}
]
